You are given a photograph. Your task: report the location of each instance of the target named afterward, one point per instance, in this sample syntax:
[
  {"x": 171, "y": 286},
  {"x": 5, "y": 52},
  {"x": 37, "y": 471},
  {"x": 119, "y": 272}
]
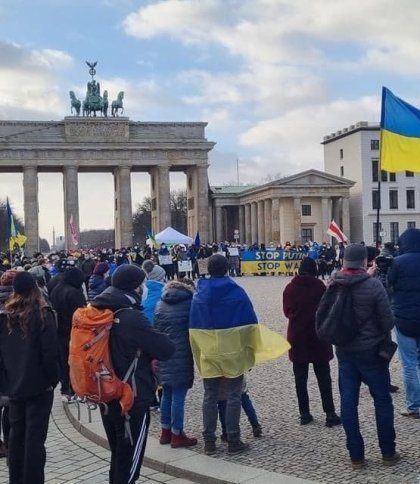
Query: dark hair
[{"x": 20, "y": 308}]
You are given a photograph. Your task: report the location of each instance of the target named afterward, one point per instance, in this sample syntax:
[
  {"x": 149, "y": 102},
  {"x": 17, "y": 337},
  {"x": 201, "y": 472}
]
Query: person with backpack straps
[
  {"x": 131, "y": 335},
  {"x": 355, "y": 315}
]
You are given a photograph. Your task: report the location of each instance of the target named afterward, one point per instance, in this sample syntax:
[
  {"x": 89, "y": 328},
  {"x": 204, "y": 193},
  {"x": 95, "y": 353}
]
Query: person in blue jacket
[
  {"x": 155, "y": 282},
  {"x": 404, "y": 282}
]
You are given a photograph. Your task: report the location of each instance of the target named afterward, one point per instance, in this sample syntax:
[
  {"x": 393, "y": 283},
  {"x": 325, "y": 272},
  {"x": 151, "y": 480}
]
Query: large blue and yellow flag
[
  {"x": 226, "y": 339},
  {"x": 400, "y": 134},
  {"x": 12, "y": 233}
]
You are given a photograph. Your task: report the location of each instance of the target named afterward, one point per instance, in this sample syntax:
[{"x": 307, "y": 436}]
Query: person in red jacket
[{"x": 300, "y": 301}]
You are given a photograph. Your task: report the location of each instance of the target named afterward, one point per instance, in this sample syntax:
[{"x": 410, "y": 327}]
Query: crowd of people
[{"x": 161, "y": 312}]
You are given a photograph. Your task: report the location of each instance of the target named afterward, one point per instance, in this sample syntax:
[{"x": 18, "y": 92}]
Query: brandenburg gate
[{"x": 117, "y": 145}]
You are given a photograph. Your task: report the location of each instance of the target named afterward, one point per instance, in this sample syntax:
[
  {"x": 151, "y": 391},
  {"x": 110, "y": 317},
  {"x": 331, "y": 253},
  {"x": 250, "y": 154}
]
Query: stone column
[
  {"x": 247, "y": 235},
  {"x": 30, "y": 203},
  {"x": 71, "y": 207},
  {"x": 254, "y": 225},
  {"x": 267, "y": 221},
  {"x": 297, "y": 207},
  {"x": 260, "y": 221},
  {"x": 346, "y": 217},
  {"x": 325, "y": 219},
  {"x": 241, "y": 227},
  {"x": 275, "y": 220},
  {"x": 219, "y": 224},
  {"x": 160, "y": 194},
  {"x": 123, "y": 208},
  {"x": 198, "y": 202}
]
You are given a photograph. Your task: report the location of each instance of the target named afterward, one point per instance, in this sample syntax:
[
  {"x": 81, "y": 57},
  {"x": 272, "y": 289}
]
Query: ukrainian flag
[
  {"x": 226, "y": 339},
  {"x": 400, "y": 134}
]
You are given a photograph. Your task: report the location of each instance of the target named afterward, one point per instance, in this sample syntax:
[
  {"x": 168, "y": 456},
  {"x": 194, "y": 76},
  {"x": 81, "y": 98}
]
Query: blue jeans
[
  {"x": 409, "y": 351},
  {"x": 247, "y": 406},
  {"x": 353, "y": 369},
  {"x": 172, "y": 408}
]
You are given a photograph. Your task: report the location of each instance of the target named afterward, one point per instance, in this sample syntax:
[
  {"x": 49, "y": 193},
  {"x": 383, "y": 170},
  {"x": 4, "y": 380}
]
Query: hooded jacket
[
  {"x": 66, "y": 297},
  {"x": 371, "y": 306},
  {"x": 131, "y": 333},
  {"x": 97, "y": 284},
  {"x": 404, "y": 283},
  {"x": 300, "y": 301},
  {"x": 171, "y": 318}
]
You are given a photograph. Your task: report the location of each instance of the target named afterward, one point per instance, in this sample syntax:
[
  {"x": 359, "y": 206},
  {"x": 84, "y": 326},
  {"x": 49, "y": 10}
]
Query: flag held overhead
[
  {"x": 335, "y": 231},
  {"x": 400, "y": 134}
]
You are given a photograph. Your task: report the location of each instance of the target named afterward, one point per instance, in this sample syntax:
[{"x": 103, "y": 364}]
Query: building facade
[
  {"x": 297, "y": 208},
  {"x": 353, "y": 153},
  {"x": 117, "y": 145}
]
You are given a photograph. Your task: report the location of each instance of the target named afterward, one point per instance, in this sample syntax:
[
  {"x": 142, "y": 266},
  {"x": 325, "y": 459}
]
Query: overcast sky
[{"x": 271, "y": 77}]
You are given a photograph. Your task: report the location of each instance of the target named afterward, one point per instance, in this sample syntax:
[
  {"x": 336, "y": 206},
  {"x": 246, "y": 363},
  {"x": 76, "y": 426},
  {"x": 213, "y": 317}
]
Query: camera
[{"x": 383, "y": 263}]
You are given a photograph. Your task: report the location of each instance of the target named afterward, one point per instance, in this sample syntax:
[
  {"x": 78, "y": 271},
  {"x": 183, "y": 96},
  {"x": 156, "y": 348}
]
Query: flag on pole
[
  {"x": 400, "y": 134},
  {"x": 73, "y": 231},
  {"x": 335, "y": 231},
  {"x": 14, "y": 236},
  {"x": 152, "y": 241},
  {"x": 197, "y": 241}
]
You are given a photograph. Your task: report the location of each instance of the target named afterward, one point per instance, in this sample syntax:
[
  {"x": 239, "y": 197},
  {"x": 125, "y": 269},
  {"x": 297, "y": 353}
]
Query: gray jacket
[{"x": 371, "y": 306}]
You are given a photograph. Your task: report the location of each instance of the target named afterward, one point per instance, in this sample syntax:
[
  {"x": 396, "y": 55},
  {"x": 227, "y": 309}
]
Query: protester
[
  {"x": 300, "y": 301},
  {"x": 132, "y": 334},
  {"x": 154, "y": 283},
  {"x": 28, "y": 351},
  {"x": 221, "y": 304},
  {"x": 97, "y": 281},
  {"x": 404, "y": 281},
  {"x": 176, "y": 375},
  {"x": 360, "y": 361},
  {"x": 66, "y": 297}
]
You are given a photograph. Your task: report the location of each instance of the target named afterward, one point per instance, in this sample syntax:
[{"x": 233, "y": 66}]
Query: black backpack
[{"x": 336, "y": 321}]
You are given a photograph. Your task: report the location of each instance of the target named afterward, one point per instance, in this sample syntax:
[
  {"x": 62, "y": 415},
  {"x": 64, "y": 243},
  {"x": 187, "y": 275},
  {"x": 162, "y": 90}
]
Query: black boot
[
  {"x": 332, "y": 420},
  {"x": 237, "y": 447}
]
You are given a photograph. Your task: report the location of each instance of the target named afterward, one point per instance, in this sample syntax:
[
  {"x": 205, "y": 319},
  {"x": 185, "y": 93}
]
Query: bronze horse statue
[
  {"x": 75, "y": 103},
  {"x": 117, "y": 104}
]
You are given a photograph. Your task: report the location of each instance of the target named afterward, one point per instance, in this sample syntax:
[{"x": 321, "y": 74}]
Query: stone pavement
[
  {"x": 311, "y": 452},
  {"x": 73, "y": 459}
]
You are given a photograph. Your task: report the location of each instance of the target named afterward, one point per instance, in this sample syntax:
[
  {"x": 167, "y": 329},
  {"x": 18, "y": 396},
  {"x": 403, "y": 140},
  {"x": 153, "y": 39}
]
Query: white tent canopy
[{"x": 172, "y": 236}]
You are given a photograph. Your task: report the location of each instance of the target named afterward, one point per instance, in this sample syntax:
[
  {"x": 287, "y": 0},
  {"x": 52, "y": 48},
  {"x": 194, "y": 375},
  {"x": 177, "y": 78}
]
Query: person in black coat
[
  {"x": 28, "y": 352},
  {"x": 65, "y": 298},
  {"x": 176, "y": 375},
  {"x": 132, "y": 334},
  {"x": 301, "y": 298}
]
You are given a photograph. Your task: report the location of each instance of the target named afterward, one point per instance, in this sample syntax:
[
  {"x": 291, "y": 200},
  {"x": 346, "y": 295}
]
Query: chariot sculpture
[{"x": 93, "y": 101}]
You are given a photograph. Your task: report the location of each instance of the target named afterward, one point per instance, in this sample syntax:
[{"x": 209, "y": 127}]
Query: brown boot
[
  {"x": 181, "y": 440},
  {"x": 165, "y": 436}
]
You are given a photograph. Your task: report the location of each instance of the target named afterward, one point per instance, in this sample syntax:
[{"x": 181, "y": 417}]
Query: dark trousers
[
  {"x": 233, "y": 389},
  {"x": 63, "y": 346},
  {"x": 323, "y": 376},
  {"x": 126, "y": 459},
  {"x": 369, "y": 368},
  {"x": 28, "y": 432}
]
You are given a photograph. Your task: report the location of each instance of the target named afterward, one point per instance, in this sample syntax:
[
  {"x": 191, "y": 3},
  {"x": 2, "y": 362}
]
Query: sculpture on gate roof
[{"x": 93, "y": 101}]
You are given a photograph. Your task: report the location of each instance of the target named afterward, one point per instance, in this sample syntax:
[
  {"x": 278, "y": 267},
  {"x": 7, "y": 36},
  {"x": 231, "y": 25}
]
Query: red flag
[
  {"x": 73, "y": 231},
  {"x": 335, "y": 231}
]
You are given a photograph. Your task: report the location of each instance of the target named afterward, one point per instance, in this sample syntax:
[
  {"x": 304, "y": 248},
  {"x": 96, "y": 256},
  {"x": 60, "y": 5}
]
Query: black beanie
[
  {"x": 308, "y": 267},
  {"x": 217, "y": 265},
  {"x": 24, "y": 283},
  {"x": 128, "y": 277}
]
